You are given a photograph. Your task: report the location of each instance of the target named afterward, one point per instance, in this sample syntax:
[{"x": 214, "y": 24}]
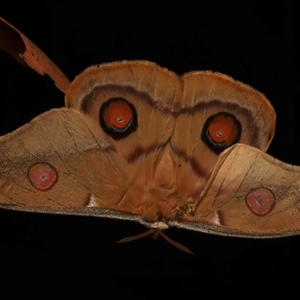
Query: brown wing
[
  {"x": 27, "y": 53},
  {"x": 150, "y": 94},
  {"x": 215, "y": 113}
]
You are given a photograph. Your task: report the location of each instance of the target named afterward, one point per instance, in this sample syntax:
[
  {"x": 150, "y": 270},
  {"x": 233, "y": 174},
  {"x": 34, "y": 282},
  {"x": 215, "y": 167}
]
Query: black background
[{"x": 53, "y": 256}]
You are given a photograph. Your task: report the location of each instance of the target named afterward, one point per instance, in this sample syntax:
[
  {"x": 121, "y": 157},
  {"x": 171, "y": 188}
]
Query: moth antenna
[
  {"x": 175, "y": 244},
  {"x": 155, "y": 234},
  {"x": 137, "y": 237}
]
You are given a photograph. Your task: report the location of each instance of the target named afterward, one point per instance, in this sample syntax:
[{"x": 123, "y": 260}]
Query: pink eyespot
[
  {"x": 260, "y": 201},
  {"x": 42, "y": 176}
]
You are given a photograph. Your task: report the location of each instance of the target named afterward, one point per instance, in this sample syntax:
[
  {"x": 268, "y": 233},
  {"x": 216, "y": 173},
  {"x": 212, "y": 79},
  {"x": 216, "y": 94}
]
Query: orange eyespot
[
  {"x": 221, "y": 131},
  {"x": 117, "y": 114},
  {"x": 42, "y": 176},
  {"x": 118, "y": 118}
]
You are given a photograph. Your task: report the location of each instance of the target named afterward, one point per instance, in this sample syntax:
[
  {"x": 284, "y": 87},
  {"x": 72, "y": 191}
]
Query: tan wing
[
  {"x": 61, "y": 163},
  {"x": 27, "y": 53},
  {"x": 63, "y": 140},
  {"x": 249, "y": 194}
]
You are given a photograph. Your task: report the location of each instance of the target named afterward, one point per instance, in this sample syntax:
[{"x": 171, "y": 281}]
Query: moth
[{"x": 138, "y": 142}]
